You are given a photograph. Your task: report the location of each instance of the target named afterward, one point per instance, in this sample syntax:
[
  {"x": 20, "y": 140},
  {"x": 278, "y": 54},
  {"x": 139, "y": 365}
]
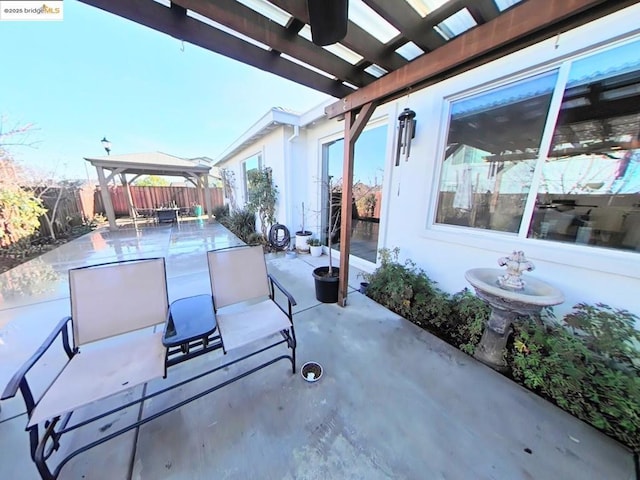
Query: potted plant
[
  {"x": 315, "y": 246},
  {"x": 302, "y": 236},
  {"x": 326, "y": 279}
]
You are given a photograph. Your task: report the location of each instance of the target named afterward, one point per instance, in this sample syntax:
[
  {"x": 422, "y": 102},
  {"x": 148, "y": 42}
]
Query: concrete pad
[
  {"x": 188, "y": 285},
  {"x": 394, "y": 401},
  {"x": 15, "y": 461},
  {"x": 111, "y": 460},
  {"x": 23, "y": 331}
]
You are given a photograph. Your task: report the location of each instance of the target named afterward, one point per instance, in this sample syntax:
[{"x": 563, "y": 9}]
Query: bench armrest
[
  {"x": 275, "y": 282},
  {"x": 19, "y": 381},
  {"x": 290, "y": 299}
]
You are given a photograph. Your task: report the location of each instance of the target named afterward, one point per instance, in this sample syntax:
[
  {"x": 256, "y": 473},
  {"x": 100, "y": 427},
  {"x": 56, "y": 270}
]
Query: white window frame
[
  {"x": 620, "y": 262},
  {"x": 243, "y": 169}
]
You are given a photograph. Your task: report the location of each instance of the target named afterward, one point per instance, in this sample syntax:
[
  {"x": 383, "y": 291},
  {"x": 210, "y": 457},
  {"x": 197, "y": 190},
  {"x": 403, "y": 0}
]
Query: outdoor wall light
[
  {"x": 406, "y": 132},
  {"x": 106, "y": 144}
]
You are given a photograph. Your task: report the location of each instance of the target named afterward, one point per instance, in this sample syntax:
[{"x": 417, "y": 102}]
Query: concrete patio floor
[{"x": 394, "y": 401}]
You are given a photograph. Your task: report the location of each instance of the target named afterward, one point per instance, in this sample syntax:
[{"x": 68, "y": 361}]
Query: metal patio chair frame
[{"x": 43, "y": 443}]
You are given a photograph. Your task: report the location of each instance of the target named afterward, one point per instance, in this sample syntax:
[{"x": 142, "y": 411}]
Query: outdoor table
[
  {"x": 191, "y": 323},
  {"x": 169, "y": 215}
]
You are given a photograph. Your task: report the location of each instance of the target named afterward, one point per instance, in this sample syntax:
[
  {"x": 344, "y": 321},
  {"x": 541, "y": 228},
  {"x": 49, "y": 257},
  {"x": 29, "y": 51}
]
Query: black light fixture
[
  {"x": 328, "y": 20},
  {"x": 406, "y": 132},
  {"x": 106, "y": 144}
]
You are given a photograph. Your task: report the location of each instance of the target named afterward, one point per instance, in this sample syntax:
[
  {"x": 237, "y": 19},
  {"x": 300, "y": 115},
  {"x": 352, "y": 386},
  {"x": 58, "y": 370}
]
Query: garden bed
[
  {"x": 28, "y": 249},
  {"x": 587, "y": 363}
]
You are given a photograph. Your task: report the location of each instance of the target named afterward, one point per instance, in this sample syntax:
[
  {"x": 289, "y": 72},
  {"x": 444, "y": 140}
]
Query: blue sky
[{"x": 95, "y": 74}]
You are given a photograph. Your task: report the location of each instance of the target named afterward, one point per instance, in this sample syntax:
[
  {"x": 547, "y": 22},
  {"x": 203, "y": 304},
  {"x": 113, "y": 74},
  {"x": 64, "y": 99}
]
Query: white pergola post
[
  {"x": 106, "y": 198},
  {"x": 207, "y": 195}
]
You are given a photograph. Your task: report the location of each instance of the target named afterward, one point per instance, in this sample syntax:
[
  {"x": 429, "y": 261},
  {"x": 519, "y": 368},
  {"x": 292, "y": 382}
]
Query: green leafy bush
[
  {"x": 220, "y": 212},
  {"x": 407, "y": 291},
  {"x": 593, "y": 373},
  {"x": 19, "y": 215},
  {"x": 588, "y": 363},
  {"x": 262, "y": 197},
  {"x": 469, "y": 315},
  {"x": 242, "y": 224}
]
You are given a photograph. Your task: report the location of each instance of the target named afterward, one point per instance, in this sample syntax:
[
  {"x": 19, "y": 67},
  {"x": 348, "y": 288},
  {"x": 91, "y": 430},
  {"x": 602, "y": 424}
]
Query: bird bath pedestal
[{"x": 509, "y": 297}]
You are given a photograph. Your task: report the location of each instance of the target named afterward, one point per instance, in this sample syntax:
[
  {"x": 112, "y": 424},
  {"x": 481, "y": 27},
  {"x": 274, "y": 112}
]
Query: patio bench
[{"x": 115, "y": 351}]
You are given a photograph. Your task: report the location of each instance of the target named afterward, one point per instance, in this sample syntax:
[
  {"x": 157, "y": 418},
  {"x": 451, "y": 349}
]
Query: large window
[
  {"x": 492, "y": 148},
  {"x": 251, "y": 163},
  {"x": 569, "y": 173}
]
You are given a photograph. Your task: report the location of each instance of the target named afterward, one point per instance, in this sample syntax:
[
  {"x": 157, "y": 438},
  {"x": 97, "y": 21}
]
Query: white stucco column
[{"x": 106, "y": 199}]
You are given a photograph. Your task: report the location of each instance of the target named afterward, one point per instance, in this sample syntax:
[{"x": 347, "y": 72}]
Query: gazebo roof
[{"x": 151, "y": 163}]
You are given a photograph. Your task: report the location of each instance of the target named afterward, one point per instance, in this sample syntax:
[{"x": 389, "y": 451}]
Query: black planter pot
[{"x": 326, "y": 286}]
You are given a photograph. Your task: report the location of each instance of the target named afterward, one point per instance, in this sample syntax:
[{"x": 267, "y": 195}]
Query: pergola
[
  {"x": 154, "y": 163},
  {"x": 391, "y": 48}
]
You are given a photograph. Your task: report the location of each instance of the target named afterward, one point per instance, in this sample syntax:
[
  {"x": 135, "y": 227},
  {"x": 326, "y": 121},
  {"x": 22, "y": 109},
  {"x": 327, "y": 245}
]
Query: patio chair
[
  {"x": 244, "y": 300},
  {"x": 114, "y": 307}
]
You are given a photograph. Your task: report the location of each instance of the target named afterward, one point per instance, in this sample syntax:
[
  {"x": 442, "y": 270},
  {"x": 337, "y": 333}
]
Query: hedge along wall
[{"x": 147, "y": 198}]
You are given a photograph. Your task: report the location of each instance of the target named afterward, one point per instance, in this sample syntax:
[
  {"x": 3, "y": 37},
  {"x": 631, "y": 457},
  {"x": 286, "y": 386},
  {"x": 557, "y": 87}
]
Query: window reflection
[
  {"x": 250, "y": 164},
  {"x": 492, "y": 147},
  {"x": 590, "y": 187}
]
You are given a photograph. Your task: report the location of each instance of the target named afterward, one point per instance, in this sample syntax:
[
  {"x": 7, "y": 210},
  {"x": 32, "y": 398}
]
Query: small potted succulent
[{"x": 315, "y": 247}]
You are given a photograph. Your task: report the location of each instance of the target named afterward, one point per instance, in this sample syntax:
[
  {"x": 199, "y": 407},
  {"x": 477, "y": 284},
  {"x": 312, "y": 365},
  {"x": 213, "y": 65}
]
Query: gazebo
[{"x": 153, "y": 163}]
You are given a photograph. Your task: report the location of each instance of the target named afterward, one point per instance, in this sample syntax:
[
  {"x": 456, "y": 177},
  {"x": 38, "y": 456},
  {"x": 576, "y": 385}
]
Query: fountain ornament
[
  {"x": 509, "y": 297},
  {"x": 516, "y": 263}
]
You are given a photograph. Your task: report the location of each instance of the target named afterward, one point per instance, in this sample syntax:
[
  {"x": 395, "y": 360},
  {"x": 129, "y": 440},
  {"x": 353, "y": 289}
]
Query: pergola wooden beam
[
  {"x": 246, "y": 21},
  {"x": 482, "y": 11},
  {"x": 357, "y": 39},
  {"x": 169, "y": 21},
  {"x": 524, "y": 24},
  {"x": 353, "y": 126},
  {"x": 411, "y": 25}
]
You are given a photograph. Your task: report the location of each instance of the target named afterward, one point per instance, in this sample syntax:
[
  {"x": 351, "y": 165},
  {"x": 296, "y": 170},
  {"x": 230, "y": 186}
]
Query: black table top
[{"x": 189, "y": 319}]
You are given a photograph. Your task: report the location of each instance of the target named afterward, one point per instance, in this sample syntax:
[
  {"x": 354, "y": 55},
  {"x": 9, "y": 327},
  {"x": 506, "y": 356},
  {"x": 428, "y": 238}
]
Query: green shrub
[
  {"x": 469, "y": 315},
  {"x": 19, "y": 215},
  {"x": 220, "y": 212},
  {"x": 594, "y": 373},
  {"x": 256, "y": 239},
  {"x": 242, "y": 224},
  {"x": 588, "y": 363},
  {"x": 262, "y": 197},
  {"x": 407, "y": 291}
]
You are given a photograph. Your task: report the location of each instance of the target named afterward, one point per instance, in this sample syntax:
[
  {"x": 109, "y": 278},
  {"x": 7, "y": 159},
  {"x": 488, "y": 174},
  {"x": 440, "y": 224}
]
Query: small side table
[{"x": 190, "y": 329}]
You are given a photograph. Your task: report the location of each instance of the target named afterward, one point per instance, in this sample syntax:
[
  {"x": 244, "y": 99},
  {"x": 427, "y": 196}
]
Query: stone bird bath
[{"x": 509, "y": 297}]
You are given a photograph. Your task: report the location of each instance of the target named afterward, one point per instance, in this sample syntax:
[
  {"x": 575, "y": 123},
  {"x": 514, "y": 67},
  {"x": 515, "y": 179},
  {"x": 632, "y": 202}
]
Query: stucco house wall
[{"x": 583, "y": 273}]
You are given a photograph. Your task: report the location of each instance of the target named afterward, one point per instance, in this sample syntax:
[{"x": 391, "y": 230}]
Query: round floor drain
[{"x": 311, "y": 371}]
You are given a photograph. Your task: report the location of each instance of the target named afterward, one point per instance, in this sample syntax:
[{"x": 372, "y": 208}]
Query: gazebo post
[
  {"x": 207, "y": 195},
  {"x": 127, "y": 194},
  {"x": 106, "y": 198}
]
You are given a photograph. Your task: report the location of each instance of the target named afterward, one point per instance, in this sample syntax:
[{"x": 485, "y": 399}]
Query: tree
[
  {"x": 229, "y": 186},
  {"x": 263, "y": 195},
  {"x": 51, "y": 194},
  {"x": 152, "y": 181},
  {"x": 19, "y": 208}
]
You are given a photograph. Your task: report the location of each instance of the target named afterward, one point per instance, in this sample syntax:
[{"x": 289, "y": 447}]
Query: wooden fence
[{"x": 149, "y": 198}]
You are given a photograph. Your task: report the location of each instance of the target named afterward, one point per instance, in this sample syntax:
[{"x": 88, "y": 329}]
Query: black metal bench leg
[{"x": 293, "y": 345}]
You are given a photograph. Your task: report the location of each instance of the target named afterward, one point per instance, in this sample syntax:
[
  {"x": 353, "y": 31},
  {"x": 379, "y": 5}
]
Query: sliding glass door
[{"x": 366, "y": 201}]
